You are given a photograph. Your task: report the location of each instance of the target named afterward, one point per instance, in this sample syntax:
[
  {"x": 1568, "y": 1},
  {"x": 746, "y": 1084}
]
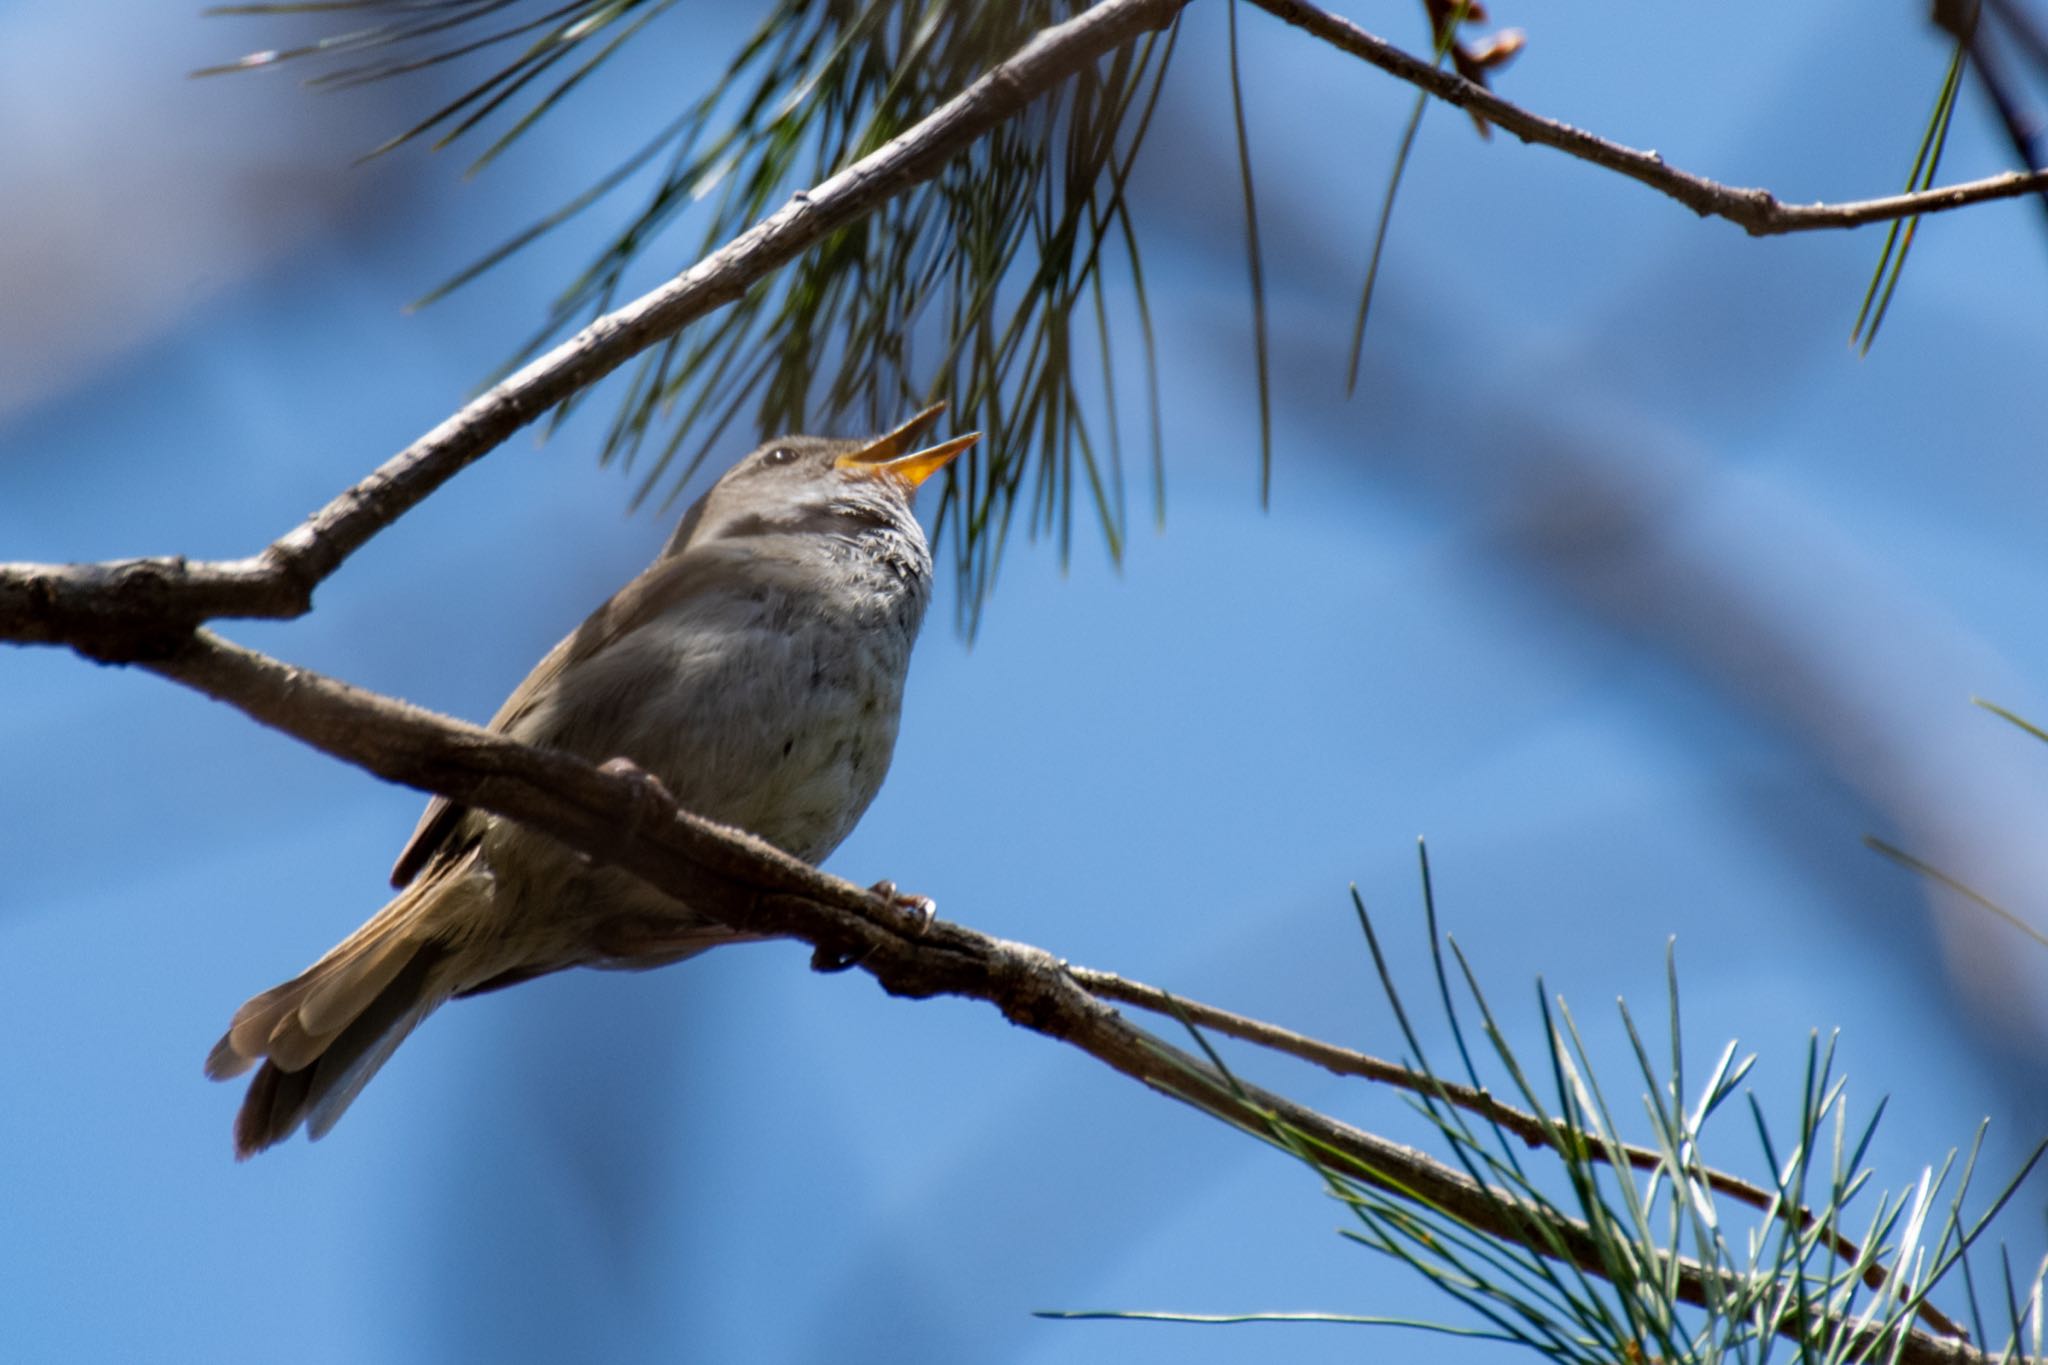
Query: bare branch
[
  {"x": 1758, "y": 212},
  {"x": 747, "y": 884},
  {"x": 133, "y": 608},
  {"x": 137, "y": 609}
]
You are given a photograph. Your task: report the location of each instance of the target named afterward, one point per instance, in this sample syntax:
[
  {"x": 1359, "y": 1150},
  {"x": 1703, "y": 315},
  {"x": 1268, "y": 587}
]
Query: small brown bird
[{"x": 755, "y": 669}]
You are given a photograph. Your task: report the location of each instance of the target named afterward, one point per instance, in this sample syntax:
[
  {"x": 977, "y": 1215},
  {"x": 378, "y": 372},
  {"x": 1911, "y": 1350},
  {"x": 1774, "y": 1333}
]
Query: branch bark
[{"x": 1758, "y": 212}]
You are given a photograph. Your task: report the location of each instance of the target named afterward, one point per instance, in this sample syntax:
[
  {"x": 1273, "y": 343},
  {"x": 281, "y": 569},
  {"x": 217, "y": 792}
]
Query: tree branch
[
  {"x": 139, "y": 609},
  {"x": 753, "y": 887},
  {"x": 1758, "y": 212}
]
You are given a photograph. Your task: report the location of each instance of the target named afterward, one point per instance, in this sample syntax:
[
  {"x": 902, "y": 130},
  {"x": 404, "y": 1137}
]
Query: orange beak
[{"x": 885, "y": 454}]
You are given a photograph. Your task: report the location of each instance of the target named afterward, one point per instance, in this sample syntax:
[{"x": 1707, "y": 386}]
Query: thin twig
[
  {"x": 1530, "y": 1128},
  {"x": 137, "y": 609},
  {"x": 1756, "y": 211}
]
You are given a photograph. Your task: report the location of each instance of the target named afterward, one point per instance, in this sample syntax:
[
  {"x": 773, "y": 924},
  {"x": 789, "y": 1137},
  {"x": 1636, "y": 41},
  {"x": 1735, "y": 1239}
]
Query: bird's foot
[
  {"x": 917, "y": 914},
  {"x": 652, "y": 804},
  {"x": 918, "y": 911}
]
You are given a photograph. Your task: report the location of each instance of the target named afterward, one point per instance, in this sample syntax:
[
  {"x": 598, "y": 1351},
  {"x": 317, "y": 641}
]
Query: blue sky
[{"x": 1622, "y": 579}]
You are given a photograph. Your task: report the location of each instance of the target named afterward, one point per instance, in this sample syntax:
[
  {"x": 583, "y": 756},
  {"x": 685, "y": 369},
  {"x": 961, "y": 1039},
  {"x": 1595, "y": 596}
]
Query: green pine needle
[
  {"x": 1935, "y": 874},
  {"x": 1255, "y": 264},
  {"x": 1445, "y": 38},
  {"x": 1898, "y": 239}
]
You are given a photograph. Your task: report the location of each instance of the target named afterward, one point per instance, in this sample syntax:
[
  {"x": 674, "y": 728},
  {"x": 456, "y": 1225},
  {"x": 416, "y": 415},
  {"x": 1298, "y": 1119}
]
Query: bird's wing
[{"x": 658, "y": 588}]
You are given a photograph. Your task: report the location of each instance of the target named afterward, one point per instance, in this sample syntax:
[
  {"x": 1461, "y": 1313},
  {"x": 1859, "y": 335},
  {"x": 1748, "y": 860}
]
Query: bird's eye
[{"x": 779, "y": 455}]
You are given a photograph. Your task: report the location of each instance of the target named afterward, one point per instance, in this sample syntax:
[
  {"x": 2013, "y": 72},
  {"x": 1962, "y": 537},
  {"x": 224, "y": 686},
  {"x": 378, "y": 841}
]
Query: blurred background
[{"x": 1621, "y": 578}]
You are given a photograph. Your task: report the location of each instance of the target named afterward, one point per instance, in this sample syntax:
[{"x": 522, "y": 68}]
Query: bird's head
[{"x": 797, "y": 484}]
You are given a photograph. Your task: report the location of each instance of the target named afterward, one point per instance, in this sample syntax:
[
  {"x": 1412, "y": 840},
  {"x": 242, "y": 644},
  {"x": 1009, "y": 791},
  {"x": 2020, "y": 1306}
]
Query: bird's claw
[
  {"x": 918, "y": 911},
  {"x": 828, "y": 960},
  {"x": 652, "y": 804}
]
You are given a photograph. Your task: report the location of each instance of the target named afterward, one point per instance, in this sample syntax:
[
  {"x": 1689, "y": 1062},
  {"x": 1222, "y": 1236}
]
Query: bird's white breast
[{"x": 770, "y": 702}]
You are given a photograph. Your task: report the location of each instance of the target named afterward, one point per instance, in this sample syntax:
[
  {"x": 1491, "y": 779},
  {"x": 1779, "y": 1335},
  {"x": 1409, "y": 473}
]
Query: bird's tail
[{"x": 324, "y": 1033}]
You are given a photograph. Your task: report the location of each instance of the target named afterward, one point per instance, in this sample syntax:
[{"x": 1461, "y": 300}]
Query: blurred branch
[
  {"x": 749, "y": 885},
  {"x": 140, "y": 608},
  {"x": 1758, "y": 212}
]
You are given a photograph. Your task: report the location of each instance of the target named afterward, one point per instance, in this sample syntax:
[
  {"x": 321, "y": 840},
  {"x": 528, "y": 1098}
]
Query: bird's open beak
[{"x": 886, "y": 454}]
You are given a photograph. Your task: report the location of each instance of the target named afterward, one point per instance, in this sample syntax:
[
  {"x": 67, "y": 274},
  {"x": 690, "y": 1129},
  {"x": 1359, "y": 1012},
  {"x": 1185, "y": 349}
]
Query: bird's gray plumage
[{"x": 755, "y": 668}]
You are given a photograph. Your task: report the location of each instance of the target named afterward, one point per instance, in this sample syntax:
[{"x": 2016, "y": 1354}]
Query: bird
[{"x": 754, "y": 670}]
